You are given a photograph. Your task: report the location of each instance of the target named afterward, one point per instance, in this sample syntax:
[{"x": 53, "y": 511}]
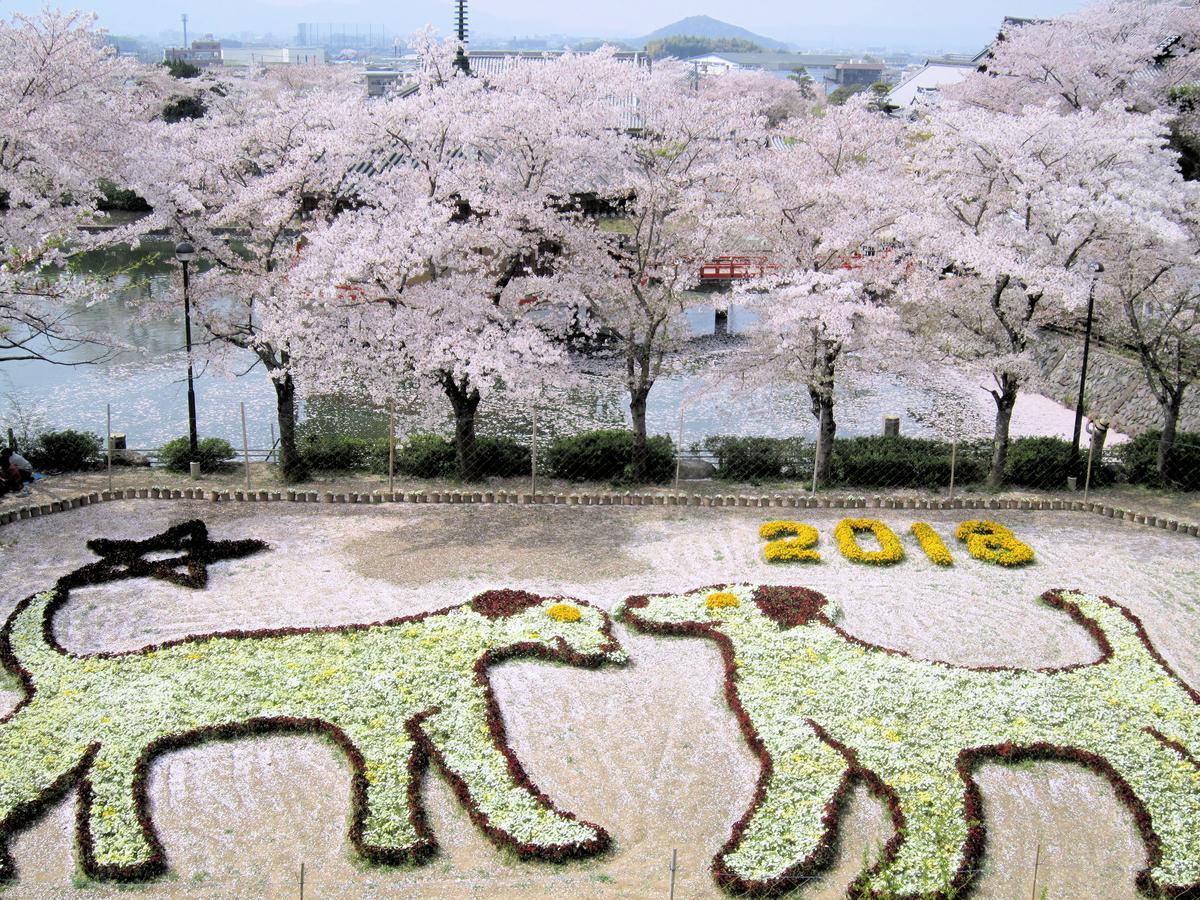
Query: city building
[
  {"x": 855, "y": 75},
  {"x": 818, "y": 67},
  {"x": 928, "y": 79},
  {"x": 482, "y": 62},
  {"x": 204, "y": 54}
]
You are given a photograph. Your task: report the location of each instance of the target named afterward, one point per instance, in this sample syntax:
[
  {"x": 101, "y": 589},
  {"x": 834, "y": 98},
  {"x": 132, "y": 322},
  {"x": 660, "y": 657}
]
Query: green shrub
[
  {"x": 1139, "y": 459},
  {"x": 755, "y": 458},
  {"x": 607, "y": 455},
  {"x": 660, "y": 460},
  {"x": 1039, "y": 462},
  {"x": 65, "y": 451},
  {"x": 213, "y": 454},
  {"x": 503, "y": 457},
  {"x": 426, "y": 456},
  {"x": 335, "y": 453},
  {"x": 904, "y": 462}
]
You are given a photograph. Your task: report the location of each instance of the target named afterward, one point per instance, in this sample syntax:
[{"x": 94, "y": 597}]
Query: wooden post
[
  {"x": 816, "y": 457},
  {"x": 245, "y": 447},
  {"x": 391, "y": 446},
  {"x": 533, "y": 453},
  {"x": 1036, "y": 861},
  {"x": 1087, "y": 481},
  {"x": 301, "y": 881},
  {"x": 671, "y": 894},
  {"x": 108, "y": 414},
  {"x": 953, "y": 459},
  {"x": 679, "y": 448}
]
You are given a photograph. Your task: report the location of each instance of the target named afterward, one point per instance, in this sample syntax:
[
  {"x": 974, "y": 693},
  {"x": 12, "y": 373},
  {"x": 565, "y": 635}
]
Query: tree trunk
[
  {"x": 639, "y": 381},
  {"x": 465, "y": 401},
  {"x": 291, "y": 465},
  {"x": 1006, "y": 399},
  {"x": 640, "y": 462},
  {"x": 820, "y": 392},
  {"x": 827, "y": 431},
  {"x": 1166, "y": 440}
]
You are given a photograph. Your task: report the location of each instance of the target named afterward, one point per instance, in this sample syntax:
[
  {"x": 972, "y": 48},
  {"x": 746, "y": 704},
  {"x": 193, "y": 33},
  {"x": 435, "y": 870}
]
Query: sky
[{"x": 933, "y": 24}]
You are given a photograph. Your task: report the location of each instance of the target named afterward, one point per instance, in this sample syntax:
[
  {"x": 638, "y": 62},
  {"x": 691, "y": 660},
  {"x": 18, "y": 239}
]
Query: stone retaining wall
[{"x": 1116, "y": 385}]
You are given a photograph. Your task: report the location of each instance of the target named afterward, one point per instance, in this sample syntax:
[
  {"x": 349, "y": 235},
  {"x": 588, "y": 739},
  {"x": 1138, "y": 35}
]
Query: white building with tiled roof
[{"x": 929, "y": 78}]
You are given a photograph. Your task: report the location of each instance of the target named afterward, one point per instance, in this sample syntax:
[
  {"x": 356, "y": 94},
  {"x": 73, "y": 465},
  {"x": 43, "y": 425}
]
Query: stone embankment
[{"x": 1116, "y": 385}]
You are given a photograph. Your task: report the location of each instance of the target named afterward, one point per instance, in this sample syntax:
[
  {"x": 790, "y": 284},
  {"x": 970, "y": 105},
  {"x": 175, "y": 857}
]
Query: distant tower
[
  {"x": 460, "y": 26},
  {"x": 185, "y": 31}
]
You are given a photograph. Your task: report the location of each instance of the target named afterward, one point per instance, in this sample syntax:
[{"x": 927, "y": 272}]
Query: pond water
[{"x": 145, "y": 386}]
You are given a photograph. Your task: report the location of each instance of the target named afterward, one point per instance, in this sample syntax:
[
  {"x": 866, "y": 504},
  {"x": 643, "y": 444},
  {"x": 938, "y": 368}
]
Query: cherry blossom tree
[
  {"x": 67, "y": 103},
  {"x": 1144, "y": 55},
  {"x": 809, "y": 323},
  {"x": 828, "y": 194},
  {"x": 457, "y": 271},
  {"x": 1155, "y": 287},
  {"x": 1017, "y": 206},
  {"x": 680, "y": 170},
  {"x": 271, "y": 160}
]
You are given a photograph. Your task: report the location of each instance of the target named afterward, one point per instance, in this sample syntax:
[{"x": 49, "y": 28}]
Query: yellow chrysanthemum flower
[
  {"x": 722, "y": 600},
  {"x": 564, "y": 612},
  {"x": 992, "y": 542}
]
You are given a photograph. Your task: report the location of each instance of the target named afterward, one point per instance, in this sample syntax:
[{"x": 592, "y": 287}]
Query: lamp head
[{"x": 185, "y": 252}]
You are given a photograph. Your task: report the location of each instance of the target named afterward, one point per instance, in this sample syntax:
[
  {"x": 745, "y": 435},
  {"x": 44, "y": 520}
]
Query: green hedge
[
  {"x": 759, "y": 458},
  {"x": 335, "y": 453},
  {"x": 607, "y": 455},
  {"x": 418, "y": 456},
  {"x": 213, "y": 454},
  {"x": 65, "y": 451},
  {"x": 860, "y": 461},
  {"x": 1039, "y": 462},
  {"x": 905, "y": 462},
  {"x": 1139, "y": 459}
]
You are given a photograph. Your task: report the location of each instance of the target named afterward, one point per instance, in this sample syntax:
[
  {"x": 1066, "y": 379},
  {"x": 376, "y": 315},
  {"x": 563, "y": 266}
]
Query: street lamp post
[
  {"x": 185, "y": 253},
  {"x": 1097, "y": 268}
]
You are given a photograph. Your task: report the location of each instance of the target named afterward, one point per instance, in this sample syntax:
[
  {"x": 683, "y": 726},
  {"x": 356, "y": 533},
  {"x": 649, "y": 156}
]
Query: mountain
[{"x": 707, "y": 27}]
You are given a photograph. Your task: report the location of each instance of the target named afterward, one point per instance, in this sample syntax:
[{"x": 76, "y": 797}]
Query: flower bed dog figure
[
  {"x": 819, "y": 707},
  {"x": 391, "y": 695}
]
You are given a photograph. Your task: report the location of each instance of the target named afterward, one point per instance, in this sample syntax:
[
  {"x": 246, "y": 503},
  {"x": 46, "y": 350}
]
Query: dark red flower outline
[
  {"x": 770, "y": 600},
  {"x": 494, "y": 602}
]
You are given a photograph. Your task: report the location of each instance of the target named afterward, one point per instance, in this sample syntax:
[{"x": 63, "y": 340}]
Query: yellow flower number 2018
[{"x": 985, "y": 541}]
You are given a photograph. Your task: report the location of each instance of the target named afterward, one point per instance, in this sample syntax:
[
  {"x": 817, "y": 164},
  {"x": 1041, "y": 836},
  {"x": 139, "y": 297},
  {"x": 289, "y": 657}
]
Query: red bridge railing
[{"x": 733, "y": 268}]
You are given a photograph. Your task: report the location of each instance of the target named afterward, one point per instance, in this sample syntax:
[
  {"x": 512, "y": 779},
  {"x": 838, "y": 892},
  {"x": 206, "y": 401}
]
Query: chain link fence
[{"x": 537, "y": 457}]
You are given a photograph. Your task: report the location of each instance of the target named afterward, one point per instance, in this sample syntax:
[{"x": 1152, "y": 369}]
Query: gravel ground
[{"x": 651, "y": 751}]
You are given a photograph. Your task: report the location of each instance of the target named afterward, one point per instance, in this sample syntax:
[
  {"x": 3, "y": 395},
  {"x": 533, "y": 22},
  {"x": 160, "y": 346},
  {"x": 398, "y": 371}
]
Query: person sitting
[
  {"x": 11, "y": 479},
  {"x": 23, "y": 465}
]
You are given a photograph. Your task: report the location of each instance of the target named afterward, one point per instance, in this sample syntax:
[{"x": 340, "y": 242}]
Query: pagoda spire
[{"x": 460, "y": 27}]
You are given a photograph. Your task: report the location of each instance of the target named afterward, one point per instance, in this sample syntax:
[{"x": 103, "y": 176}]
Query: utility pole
[
  {"x": 185, "y": 43},
  {"x": 1097, "y": 269},
  {"x": 460, "y": 26}
]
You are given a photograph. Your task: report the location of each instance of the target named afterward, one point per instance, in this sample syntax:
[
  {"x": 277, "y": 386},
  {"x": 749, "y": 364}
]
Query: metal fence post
[
  {"x": 671, "y": 895},
  {"x": 245, "y": 446},
  {"x": 108, "y": 416}
]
